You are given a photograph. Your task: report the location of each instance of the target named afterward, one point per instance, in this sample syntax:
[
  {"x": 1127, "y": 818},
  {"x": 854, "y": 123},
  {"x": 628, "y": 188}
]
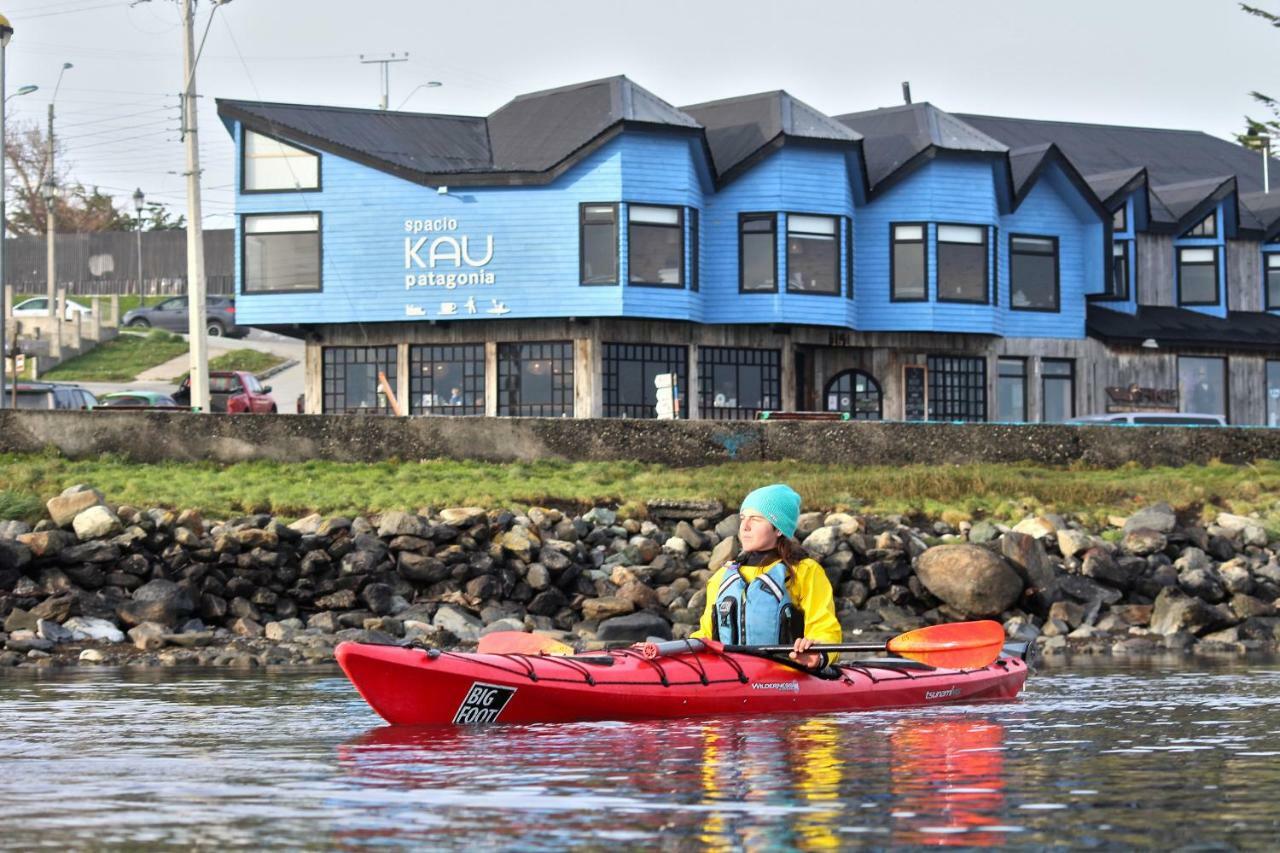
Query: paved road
[{"x": 285, "y": 386}]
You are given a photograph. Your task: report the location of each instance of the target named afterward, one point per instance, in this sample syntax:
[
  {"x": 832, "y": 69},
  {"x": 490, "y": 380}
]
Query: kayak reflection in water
[{"x": 773, "y": 593}]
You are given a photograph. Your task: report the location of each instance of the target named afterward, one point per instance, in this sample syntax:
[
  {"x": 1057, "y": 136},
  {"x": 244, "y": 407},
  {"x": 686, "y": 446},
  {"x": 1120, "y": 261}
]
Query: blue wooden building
[{"x": 555, "y": 256}]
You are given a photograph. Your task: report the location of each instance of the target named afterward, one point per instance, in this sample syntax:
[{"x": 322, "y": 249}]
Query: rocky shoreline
[{"x": 95, "y": 584}]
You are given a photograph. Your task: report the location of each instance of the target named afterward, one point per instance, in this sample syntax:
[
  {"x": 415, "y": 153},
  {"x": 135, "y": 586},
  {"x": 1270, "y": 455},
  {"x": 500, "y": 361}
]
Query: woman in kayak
[{"x": 773, "y": 593}]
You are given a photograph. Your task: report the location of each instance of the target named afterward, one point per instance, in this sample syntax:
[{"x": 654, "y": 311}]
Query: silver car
[{"x": 171, "y": 314}]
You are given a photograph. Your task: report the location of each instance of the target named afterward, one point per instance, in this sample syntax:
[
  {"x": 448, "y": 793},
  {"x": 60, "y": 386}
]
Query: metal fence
[{"x": 106, "y": 262}]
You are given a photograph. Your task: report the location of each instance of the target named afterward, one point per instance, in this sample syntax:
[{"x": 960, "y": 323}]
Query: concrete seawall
[{"x": 171, "y": 436}]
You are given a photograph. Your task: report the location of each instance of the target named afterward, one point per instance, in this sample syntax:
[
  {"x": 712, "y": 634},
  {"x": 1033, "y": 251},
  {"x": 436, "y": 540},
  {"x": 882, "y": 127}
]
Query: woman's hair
[{"x": 790, "y": 553}]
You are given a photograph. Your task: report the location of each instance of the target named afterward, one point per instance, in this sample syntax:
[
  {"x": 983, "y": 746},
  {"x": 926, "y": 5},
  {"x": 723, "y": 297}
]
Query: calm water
[{"x": 1092, "y": 757}]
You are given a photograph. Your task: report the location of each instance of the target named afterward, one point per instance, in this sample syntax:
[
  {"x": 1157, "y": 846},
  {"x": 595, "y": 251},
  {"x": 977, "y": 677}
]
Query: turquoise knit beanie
[{"x": 778, "y": 503}]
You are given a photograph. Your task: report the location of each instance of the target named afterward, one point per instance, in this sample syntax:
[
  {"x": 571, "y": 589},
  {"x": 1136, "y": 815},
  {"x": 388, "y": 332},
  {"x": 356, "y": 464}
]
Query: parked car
[
  {"x": 171, "y": 314},
  {"x": 52, "y": 395},
  {"x": 38, "y": 306},
  {"x": 1152, "y": 419},
  {"x": 138, "y": 400},
  {"x": 232, "y": 391}
]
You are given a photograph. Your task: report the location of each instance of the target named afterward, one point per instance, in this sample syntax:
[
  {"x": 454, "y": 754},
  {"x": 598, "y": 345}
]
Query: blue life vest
[{"x": 756, "y": 613}]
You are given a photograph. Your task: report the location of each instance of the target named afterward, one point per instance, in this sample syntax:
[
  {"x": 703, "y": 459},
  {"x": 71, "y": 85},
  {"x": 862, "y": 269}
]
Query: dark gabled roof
[
  {"x": 1169, "y": 156},
  {"x": 1190, "y": 200},
  {"x": 431, "y": 144},
  {"x": 535, "y": 132},
  {"x": 531, "y": 139},
  {"x": 1240, "y": 330},
  {"x": 892, "y": 137},
  {"x": 739, "y": 130},
  {"x": 1110, "y": 187},
  {"x": 1265, "y": 209}
]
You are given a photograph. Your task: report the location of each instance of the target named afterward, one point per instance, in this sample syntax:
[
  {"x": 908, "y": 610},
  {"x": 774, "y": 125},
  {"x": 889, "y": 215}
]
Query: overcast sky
[{"x": 1156, "y": 63}]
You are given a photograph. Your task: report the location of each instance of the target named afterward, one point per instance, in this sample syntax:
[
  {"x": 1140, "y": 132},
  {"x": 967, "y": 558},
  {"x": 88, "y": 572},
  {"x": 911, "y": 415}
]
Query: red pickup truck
[{"x": 234, "y": 392}]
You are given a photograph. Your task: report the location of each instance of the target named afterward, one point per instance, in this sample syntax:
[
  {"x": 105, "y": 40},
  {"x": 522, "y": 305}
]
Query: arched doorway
[{"x": 856, "y": 392}]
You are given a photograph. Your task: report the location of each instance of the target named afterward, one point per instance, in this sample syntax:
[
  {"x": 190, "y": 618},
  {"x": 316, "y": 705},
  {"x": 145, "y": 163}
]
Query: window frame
[
  {"x": 1213, "y": 229},
  {"x": 768, "y": 358},
  {"x": 986, "y": 261},
  {"x": 852, "y": 375},
  {"x": 924, "y": 261},
  {"x": 244, "y": 171},
  {"x": 614, "y": 353},
  {"x": 1109, "y": 295},
  {"x": 942, "y": 380},
  {"x": 743, "y": 218},
  {"x": 678, "y": 228},
  {"x": 566, "y": 406},
  {"x": 1122, "y": 213},
  {"x": 1046, "y": 377},
  {"x": 1217, "y": 283},
  {"x": 1267, "y": 272},
  {"x": 244, "y": 251},
  {"x": 1057, "y": 271},
  {"x": 470, "y": 355},
  {"x": 1022, "y": 362},
  {"x": 1226, "y": 384},
  {"x": 848, "y": 256},
  {"x": 326, "y": 395},
  {"x": 582, "y": 245},
  {"x": 695, "y": 239},
  {"x": 837, "y": 228}
]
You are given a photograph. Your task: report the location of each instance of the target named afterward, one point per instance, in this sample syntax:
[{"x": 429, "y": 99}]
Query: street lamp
[
  {"x": 22, "y": 90},
  {"x": 138, "y": 199},
  {"x": 6, "y": 33},
  {"x": 49, "y": 192},
  {"x": 1256, "y": 139},
  {"x": 431, "y": 84}
]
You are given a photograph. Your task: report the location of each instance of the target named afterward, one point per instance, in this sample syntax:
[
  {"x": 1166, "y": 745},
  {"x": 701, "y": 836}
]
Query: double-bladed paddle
[{"x": 955, "y": 645}]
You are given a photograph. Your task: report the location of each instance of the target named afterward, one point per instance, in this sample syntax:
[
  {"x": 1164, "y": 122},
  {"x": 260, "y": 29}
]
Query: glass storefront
[
  {"x": 351, "y": 384},
  {"x": 629, "y": 371},
  {"x": 856, "y": 393},
  {"x": 1058, "y": 389},
  {"x": 446, "y": 380},
  {"x": 1202, "y": 385},
  {"x": 1011, "y": 390},
  {"x": 735, "y": 384},
  {"x": 536, "y": 379}
]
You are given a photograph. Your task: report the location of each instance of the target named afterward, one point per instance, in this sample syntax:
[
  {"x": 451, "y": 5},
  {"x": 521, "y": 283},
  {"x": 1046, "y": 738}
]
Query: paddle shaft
[{"x": 677, "y": 646}]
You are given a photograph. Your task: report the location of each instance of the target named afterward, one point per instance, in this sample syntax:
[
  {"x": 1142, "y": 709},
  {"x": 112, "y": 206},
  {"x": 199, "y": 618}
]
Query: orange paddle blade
[
  {"x": 521, "y": 643},
  {"x": 958, "y": 645}
]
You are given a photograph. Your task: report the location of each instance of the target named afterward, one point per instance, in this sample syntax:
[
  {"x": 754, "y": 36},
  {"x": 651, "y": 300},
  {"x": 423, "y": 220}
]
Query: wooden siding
[
  {"x": 1155, "y": 270},
  {"x": 1244, "y": 275}
]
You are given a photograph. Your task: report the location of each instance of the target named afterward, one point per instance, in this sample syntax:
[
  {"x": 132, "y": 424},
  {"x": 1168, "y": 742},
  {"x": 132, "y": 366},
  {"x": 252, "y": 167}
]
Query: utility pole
[
  {"x": 386, "y": 73},
  {"x": 50, "y": 201},
  {"x": 195, "y": 230}
]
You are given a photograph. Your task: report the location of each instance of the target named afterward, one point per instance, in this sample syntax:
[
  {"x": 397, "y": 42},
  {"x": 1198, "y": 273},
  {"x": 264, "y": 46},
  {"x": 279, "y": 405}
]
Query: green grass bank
[{"x": 952, "y": 493}]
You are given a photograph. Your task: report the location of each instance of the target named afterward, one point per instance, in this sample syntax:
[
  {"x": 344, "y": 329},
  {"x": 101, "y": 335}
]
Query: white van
[{"x": 1151, "y": 419}]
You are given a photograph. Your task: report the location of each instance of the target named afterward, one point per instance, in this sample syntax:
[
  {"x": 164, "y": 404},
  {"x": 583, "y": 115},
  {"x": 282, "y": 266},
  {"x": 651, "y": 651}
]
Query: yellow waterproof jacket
[{"x": 810, "y": 591}]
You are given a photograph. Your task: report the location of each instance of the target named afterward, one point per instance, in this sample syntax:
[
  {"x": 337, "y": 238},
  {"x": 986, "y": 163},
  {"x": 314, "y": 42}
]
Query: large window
[
  {"x": 757, "y": 253},
  {"x": 1033, "y": 273},
  {"x": 536, "y": 379},
  {"x": 1202, "y": 385},
  {"x": 1118, "y": 287},
  {"x": 446, "y": 380},
  {"x": 957, "y": 388},
  {"x": 735, "y": 384},
  {"x": 1273, "y": 393},
  {"x": 909, "y": 263},
  {"x": 629, "y": 370},
  {"x": 598, "y": 241},
  {"x": 1271, "y": 270},
  {"x": 281, "y": 253},
  {"x": 1058, "y": 389},
  {"x": 856, "y": 393},
  {"x": 274, "y": 166},
  {"x": 1011, "y": 389},
  {"x": 1207, "y": 227},
  {"x": 655, "y": 241},
  {"x": 1198, "y": 276},
  {"x": 351, "y": 379},
  {"x": 813, "y": 254},
  {"x": 962, "y": 263}
]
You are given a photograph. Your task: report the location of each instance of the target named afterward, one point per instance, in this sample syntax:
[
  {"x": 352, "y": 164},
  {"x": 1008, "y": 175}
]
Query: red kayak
[{"x": 433, "y": 687}]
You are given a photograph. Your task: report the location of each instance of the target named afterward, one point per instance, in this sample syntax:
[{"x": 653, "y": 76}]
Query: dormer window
[
  {"x": 270, "y": 165},
  {"x": 1207, "y": 227},
  {"x": 1198, "y": 276},
  {"x": 1120, "y": 219},
  {"x": 1272, "y": 271}
]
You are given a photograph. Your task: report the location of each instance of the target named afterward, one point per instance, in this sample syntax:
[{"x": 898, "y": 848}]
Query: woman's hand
[{"x": 800, "y": 654}]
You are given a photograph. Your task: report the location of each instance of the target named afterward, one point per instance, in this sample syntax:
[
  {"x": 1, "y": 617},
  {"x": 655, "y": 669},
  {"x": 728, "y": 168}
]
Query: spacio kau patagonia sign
[
  {"x": 434, "y": 257},
  {"x": 1135, "y": 398}
]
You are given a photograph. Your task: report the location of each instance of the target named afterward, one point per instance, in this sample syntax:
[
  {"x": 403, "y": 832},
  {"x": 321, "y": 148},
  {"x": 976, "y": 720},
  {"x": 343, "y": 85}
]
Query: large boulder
[
  {"x": 65, "y": 507},
  {"x": 458, "y": 622},
  {"x": 969, "y": 579},
  {"x": 606, "y": 607},
  {"x": 1027, "y": 556},
  {"x": 1175, "y": 611},
  {"x": 161, "y": 601},
  {"x": 1158, "y": 517},
  {"x": 96, "y": 522},
  {"x": 634, "y": 628}
]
